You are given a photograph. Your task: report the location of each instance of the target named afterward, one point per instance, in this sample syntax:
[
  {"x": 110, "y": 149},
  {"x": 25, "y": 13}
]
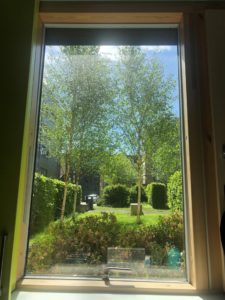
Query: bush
[
  {"x": 157, "y": 239},
  {"x": 87, "y": 238},
  {"x": 100, "y": 202},
  {"x": 43, "y": 201},
  {"x": 134, "y": 194},
  {"x": 116, "y": 195},
  {"x": 41, "y": 253},
  {"x": 47, "y": 201},
  {"x": 157, "y": 195},
  {"x": 90, "y": 236},
  {"x": 169, "y": 230},
  {"x": 175, "y": 191}
]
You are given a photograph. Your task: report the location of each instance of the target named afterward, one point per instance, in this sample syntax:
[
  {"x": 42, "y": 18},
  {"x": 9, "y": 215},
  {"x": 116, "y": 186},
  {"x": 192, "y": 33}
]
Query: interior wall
[
  {"x": 16, "y": 39},
  {"x": 215, "y": 30}
]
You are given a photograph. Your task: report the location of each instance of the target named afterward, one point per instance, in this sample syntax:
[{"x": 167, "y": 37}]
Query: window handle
[
  {"x": 105, "y": 277},
  {"x": 2, "y": 250}
]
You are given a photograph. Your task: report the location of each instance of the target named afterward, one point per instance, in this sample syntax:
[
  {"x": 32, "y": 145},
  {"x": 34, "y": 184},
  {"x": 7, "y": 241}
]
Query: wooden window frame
[{"x": 203, "y": 261}]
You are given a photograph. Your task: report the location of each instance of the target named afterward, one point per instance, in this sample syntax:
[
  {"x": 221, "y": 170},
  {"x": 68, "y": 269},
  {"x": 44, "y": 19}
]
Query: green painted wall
[{"x": 18, "y": 17}]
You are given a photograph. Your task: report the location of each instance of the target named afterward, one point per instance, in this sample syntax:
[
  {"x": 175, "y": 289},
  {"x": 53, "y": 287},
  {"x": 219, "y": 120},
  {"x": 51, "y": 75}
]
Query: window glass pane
[{"x": 107, "y": 198}]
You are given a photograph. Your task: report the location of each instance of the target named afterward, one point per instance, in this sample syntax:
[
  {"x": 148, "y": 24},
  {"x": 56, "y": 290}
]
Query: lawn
[{"x": 123, "y": 216}]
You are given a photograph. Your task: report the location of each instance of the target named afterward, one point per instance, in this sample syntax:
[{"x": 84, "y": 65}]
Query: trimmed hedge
[
  {"x": 134, "y": 194},
  {"x": 47, "y": 201},
  {"x": 157, "y": 195},
  {"x": 175, "y": 191},
  {"x": 116, "y": 195},
  {"x": 88, "y": 238}
]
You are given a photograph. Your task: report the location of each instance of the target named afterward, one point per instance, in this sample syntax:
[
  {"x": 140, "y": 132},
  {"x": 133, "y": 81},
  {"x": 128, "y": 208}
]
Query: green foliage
[
  {"x": 169, "y": 230},
  {"x": 134, "y": 194},
  {"x": 118, "y": 170},
  {"x": 46, "y": 201},
  {"x": 90, "y": 236},
  {"x": 164, "y": 158},
  {"x": 74, "y": 121},
  {"x": 41, "y": 253},
  {"x": 175, "y": 191},
  {"x": 157, "y": 195},
  {"x": 100, "y": 202},
  {"x": 148, "y": 191},
  {"x": 116, "y": 195},
  {"x": 71, "y": 188}
]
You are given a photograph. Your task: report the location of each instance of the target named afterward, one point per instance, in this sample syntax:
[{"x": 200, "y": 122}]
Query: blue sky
[{"x": 166, "y": 54}]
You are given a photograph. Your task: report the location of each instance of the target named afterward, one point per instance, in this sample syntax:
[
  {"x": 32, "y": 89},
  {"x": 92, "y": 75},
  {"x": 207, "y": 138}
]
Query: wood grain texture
[
  {"x": 132, "y": 6},
  {"x": 110, "y": 18},
  {"x": 99, "y": 286}
]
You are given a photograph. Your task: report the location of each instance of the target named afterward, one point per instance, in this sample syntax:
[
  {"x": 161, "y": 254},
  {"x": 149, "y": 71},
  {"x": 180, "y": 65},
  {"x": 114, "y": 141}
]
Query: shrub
[
  {"x": 175, "y": 191},
  {"x": 134, "y": 194},
  {"x": 157, "y": 195},
  {"x": 87, "y": 237},
  {"x": 90, "y": 236},
  {"x": 157, "y": 239},
  {"x": 100, "y": 202},
  {"x": 47, "y": 201},
  {"x": 43, "y": 201},
  {"x": 41, "y": 253},
  {"x": 169, "y": 230},
  {"x": 116, "y": 195}
]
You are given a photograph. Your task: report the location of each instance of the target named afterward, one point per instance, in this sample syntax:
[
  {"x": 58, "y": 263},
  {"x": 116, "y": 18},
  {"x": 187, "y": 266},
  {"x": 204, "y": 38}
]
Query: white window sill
[{"x": 22, "y": 295}]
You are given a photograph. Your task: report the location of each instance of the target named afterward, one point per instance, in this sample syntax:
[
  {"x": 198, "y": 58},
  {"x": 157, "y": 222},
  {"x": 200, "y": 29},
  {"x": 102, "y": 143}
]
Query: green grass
[
  {"x": 123, "y": 216},
  {"x": 132, "y": 220}
]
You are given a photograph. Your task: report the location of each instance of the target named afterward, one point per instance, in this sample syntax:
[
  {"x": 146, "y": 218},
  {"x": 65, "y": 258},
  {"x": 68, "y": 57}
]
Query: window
[
  {"x": 110, "y": 116},
  {"x": 192, "y": 251}
]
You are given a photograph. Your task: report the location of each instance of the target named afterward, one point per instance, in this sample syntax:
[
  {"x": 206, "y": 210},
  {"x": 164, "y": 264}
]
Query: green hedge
[
  {"x": 175, "y": 191},
  {"x": 90, "y": 236},
  {"x": 134, "y": 194},
  {"x": 116, "y": 195},
  {"x": 157, "y": 195},
  {"x": 47, "y": 201}
]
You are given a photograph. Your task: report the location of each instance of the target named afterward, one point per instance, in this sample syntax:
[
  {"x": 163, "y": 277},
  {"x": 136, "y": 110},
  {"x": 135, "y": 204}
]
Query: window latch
[{"x": 105, "y": 277}]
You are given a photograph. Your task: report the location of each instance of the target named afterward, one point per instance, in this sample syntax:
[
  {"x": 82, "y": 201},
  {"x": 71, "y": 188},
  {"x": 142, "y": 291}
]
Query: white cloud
[
  {"x": 156, "y": 48},
  {"x": 110, "y": 51}
]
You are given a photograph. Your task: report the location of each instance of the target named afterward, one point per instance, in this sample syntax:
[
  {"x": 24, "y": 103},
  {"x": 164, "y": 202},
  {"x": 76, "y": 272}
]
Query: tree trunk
[
  {"x": 101, "y": 185},
  {"x": 75, "y": 196},
  {"x": 75, "y": 201},
  {"x": 65, "y": 193},
  {"x": 139, "y": 165},
  {"x": 139, "y": 200},
  {"x": 76, "y": 182}
]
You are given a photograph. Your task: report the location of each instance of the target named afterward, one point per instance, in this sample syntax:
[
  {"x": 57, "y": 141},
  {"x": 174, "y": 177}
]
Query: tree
[
  {"x": 74, "y": 112},
  {"x": 144, "y": 103},
  {"x": 166, "y": 157},
  {"x": 118, "y": 169},
  {"x": 175, "y": 191}
]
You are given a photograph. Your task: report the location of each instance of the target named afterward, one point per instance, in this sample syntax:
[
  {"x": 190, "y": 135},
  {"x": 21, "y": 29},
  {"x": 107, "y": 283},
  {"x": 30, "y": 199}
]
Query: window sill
[
  {"x": 98, "y": 286},
  {"x": 21, "y": 295}
]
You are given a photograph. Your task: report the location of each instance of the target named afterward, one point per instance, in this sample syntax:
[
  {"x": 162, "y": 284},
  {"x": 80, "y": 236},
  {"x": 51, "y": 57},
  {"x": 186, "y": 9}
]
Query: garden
[{"x": 83, "y": 239}]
